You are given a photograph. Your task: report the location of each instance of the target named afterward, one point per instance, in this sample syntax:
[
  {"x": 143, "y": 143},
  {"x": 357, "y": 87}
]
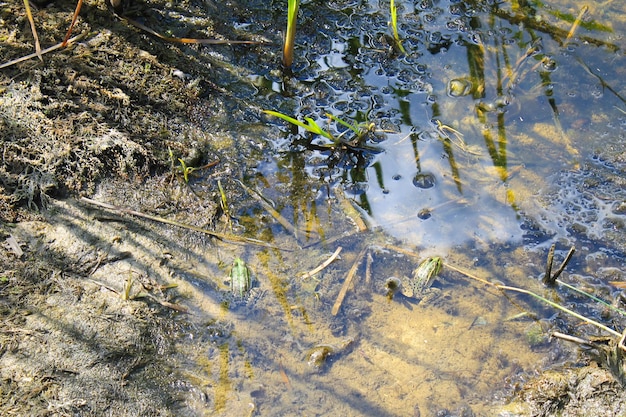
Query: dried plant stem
[
  {"x": 546, "y": 277},
  {"x": 576, "y": 23},
  {"x": 564, "y": 263},
  {"x": 349, "y": 210},
  {"x": 275, "y": 214},
  {"x": 571, "y": 338},
  {"x": 549, "y": 278},
  {"x": 183, "y": 40},
  {"x": 29, "y": 14},
  {"x": 368, "y": 269},
  {"x": 560, "y": 307},
  {"x": 74, "y": 18}
]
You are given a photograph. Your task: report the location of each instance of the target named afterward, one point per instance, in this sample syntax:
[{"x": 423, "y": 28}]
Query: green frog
[
  {"x": 418, "y": 286},
  {"x": 242, "y": 291},
  {"x": 240, "y": 279}
]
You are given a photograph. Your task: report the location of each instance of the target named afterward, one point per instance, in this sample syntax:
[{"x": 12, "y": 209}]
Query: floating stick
[
  {"x": 323, "y": 265},
  {"x": 576, "y": 23}
]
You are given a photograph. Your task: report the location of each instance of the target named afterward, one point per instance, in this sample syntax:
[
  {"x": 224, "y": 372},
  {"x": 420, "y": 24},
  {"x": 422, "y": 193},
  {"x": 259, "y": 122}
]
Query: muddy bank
[{"x": 111, "y": 115}]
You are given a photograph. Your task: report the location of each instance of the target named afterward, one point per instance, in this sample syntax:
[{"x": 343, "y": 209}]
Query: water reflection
[{"x": 477, "y": 99}]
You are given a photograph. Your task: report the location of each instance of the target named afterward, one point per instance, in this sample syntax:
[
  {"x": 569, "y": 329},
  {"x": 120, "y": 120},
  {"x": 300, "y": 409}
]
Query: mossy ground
[{"x": 110, "y": 115}]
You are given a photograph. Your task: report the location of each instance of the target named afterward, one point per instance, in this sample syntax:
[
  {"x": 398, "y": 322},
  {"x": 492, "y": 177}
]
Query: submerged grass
[{"x": 538, "y": 297}]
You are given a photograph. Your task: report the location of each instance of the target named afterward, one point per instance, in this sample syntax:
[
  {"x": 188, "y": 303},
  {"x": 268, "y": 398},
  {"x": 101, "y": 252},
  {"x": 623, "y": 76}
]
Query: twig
[
  {"x": 349, "y": 209},
  {"x": 564, "y": 263},
  {"x": 221, "y": 236},
  {"x": 323, "y": 265},
  {"x": 181, "y": 40},
  {"x": 347, "y": 282},
  {"x": 368, "y": 269},
  {"x": 79, "y": 4},
  {"x": 546, "y": 277},
  {"x": 103, "y": 285},
  {"x": 167, "y": 304},
  {"x": 467, "y": 274},
  {"x": 164, "y": 303},
  {"x": 532, "y": 294},
  {"x": 275, "y": 214},
  {"x": 550, "y": 279},
  {"x": 29, "y": 14}
]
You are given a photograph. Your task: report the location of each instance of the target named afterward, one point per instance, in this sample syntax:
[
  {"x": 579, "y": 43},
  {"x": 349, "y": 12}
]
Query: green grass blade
[
  {"x": 315, "y": 128},
  {"x": 350, "y": 126},
  {"x": 312, "y": 126},
  {"x": 593, "y": 297}
]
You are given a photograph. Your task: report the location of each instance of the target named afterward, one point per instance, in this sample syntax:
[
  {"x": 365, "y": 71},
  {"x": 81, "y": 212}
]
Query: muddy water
[{"x": 495, "y": 135}]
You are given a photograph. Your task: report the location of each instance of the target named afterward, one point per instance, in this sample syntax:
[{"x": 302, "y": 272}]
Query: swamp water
[{"x": 494, "y": 136}]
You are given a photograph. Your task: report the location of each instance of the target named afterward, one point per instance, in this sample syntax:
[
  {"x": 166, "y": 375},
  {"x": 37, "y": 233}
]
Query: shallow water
[{"x": 495, "y": 137}]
